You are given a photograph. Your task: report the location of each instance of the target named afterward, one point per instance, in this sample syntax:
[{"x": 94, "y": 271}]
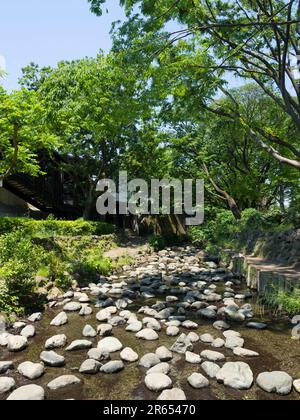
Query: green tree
[
  {"x": 253, "y": 40},
  {"x": 94, "y": 106},
  {"x": 23, "y": 133}
]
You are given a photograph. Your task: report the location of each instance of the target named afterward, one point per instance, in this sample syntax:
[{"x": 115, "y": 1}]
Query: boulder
[
  {"x": 236, "y": 375},
  {"x": 158, "y": 382},
  {"x": 50, "y": 358},
  {"x": 80, "y": 345},
  {"x": 6, "y": 385},
  {"x": 28, "y": 393},
  {"x": 174, "y": 394},
  {"x": 31, "y": 370},
  {"x": 275, "y": 382},
  {"x": 128, "y": 355},
  {"x": 63, "y": 381},
  {"x": 112, "y": 367},
  {"x": 56, "y": 342},
  {"x": 110, "y": 345},
  {"x": 198, "y": 381}
]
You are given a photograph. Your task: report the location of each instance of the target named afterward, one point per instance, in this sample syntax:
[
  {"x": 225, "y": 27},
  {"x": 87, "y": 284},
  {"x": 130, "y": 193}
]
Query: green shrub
[
  {"x": 219, "y": 230},
  {"x": 285, "y": 301},
  {"x": 157, "y": 243},
  {"x": 51, "y": 227},
  {"x": 20, "y": 259}
]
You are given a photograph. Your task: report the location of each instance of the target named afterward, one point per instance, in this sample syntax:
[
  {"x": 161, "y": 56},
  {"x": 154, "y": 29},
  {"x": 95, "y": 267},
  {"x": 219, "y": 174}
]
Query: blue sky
[{"x": 48, "y": 31}]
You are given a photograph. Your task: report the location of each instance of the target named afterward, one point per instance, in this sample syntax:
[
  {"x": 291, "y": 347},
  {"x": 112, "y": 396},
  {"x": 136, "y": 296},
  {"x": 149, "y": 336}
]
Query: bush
[
  {"x": 20, "y": 259},
  {"x": 51, "y": 227},
  {"x": 219, "y": 230},
  {"x": 286, "y": 301},
  {"x": 157, "y": 243}
]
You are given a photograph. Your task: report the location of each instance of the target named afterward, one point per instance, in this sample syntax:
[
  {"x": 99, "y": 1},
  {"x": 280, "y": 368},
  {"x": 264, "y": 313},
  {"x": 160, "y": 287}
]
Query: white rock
[
  {"x": 164, "y": 354},
  {"x": 207, "y": 338},
  {"x": 112, "y": 367},
  {"x": 198, "y": 381},
  {"x": 55, "y": 342},
  {"x": 28, "y": 393},
  {"x": 147, "y": 334},
  {"x": 174, "y": 394},
  {"x": 134, "y": 327},
  {"x": 160, "y": 368},
  {"x": 105, "y": 330},
  {"x": 149, "y": 360},
  {"x": 5, "y": 366},
  {"x": 128, "y": 355},
  {"x": 158, "y": 382},
  {"x": 16, "y": 343},
  {"x": 275, "y": 382},
  {"x": 233, "y": 342},
  {"x": 213, "y": 356},
  {"x": 110, "y": 345},
  {"x": 89, "y": 331},
  {"x": 192, "y": 358},
  {"x": 90, "y": 367},
  {"x": 35, "y": 317},
  {"x": 72, "y": 307},
  {"x": 211, "y": 369},
  {"x": 241, "y": 352},
  {"x": 60, "y": 320},
  {"x": 236, "y": 375},
  {"x": 6, "y": 385},
  {"x": 31, "y": 370},
  {"x": 79, "y": 345},
  {"x": 63, "y": 381},
  {"x": 173, "y": 331}
]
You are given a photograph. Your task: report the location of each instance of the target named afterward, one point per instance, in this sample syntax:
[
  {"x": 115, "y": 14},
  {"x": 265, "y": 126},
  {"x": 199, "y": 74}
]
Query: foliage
[
  {"x": 216, "y": 38},
  {"x": 20, "y": 259},
  {"x": 157, "y": 243},
  {"x": 285, "y": 301},
  {"x": 23, "y": 133},
  {"x": 55, "y": 227}
]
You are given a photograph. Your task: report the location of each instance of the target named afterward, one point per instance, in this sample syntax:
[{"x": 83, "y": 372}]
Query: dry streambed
[{"x": 171, "y": 327}]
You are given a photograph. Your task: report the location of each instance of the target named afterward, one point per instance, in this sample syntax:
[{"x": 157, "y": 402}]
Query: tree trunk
[
  {"x": 89, "y": 204},
  {"x": 230, "y": 200}
]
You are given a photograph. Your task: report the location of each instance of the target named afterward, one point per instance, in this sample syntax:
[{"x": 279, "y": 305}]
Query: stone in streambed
[
  {"x": 31, "y": 370},
  {"x": 182, "y": 345},
  {"x": 90, "y": 367},
  {"x": 79, "y": 345},
  {"x": 56, "y": 342},
  {"x": 28, "y": 331},
  {"x": 275, "y": 382},
  {"x": 236, "y": 375},
  {"x": 50, "y": 358},
  {"x": 192, "y": 358},
  {"x": 5, "y": 366},
  {"x": 147, "y": 334},
  {"x": 6, "y": 385},
  {"x": 89, "y": 332},
  {"x": 174, "y": 394},
  {"x": 198, "y": 381},
  {"x": 158, "y": 382},
  {"x": 211, "y": 369},
  {"x": 164, "y": 354},
  {"x": 63, "y": 381},
  {"x": 60, "y": 320},
  {"x": 16, "y": 343},
  {"x": 128, "y": 355},
  {"x": 28, "y": 393},
  {"x": 110, "y": 345},
  {"x": 149, "y": 360},
  {"x": 112, "y": 367},
  {"x": 213, "y": 356}
]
